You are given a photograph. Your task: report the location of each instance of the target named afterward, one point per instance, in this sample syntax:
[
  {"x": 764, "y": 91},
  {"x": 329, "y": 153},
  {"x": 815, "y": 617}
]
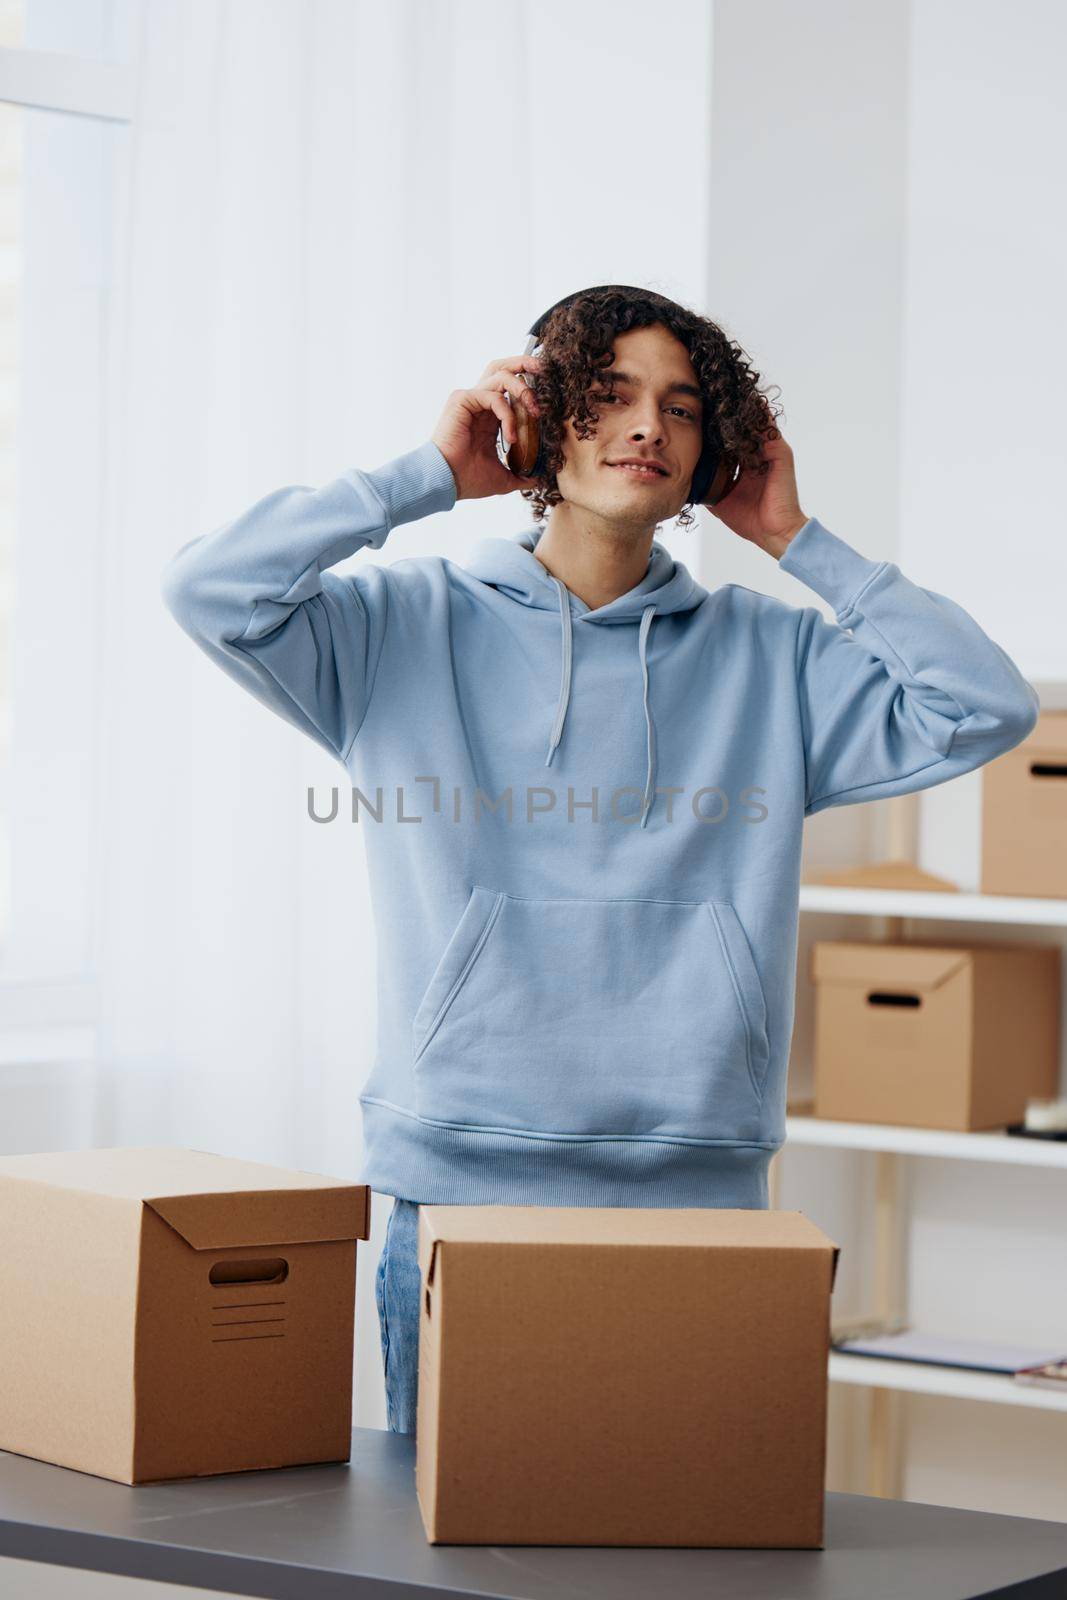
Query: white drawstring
[{"x": 565, "y": 691}]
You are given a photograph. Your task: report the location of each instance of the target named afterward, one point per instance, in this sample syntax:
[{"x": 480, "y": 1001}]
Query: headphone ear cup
[
  {"x": 703, "y": 473},
  {"x": 723, "y": 481},
  {"x": 715, "y": 476},
  {"x": 538, "y": 468},
  {"x": 525, "y": 457}
]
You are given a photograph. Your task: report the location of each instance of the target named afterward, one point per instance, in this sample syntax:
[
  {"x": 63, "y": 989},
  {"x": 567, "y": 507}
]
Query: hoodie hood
[{"x": 510, "y": 565}]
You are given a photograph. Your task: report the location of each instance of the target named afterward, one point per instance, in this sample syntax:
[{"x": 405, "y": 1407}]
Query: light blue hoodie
[{"x": 579, "y": 1008}]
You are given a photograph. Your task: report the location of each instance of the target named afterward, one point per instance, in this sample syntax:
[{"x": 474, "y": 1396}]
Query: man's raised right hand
[{"x": 467, "y": 429}]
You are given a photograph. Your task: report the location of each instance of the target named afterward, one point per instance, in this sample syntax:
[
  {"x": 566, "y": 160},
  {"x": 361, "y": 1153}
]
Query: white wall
[{"x": 891, "y": 250}]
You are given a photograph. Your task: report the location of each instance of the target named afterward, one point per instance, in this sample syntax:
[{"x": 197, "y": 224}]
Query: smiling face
[{"x": 653, "y": 413}]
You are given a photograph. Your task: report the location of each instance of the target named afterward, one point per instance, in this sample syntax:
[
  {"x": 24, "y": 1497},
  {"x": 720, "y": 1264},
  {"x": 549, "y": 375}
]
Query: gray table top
[{"x": 318, "y": 1532}]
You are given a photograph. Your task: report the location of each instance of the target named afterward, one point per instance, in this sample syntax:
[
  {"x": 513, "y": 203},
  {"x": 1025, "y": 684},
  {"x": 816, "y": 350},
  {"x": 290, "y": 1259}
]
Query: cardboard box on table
[
  {"x": 1024, "y": 814},
  {"x": 622, "y": 1376},
  {"x": 934, "y": 1035},
  {"x": 172, "y": 1313}
]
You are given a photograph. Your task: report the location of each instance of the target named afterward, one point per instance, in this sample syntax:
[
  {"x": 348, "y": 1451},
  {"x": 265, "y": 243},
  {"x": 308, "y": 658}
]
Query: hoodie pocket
[{"x": 584, "y": 1016}]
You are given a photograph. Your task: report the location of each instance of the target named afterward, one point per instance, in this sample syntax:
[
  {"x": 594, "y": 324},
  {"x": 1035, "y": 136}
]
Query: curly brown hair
[{"x": 576, "y": 351}]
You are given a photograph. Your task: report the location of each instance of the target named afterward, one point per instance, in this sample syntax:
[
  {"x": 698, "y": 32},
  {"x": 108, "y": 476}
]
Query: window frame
[{"x": 52, "y": 1016}]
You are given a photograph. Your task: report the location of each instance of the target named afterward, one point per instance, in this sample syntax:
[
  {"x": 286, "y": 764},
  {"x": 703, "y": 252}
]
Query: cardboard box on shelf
[
  {"x": 170, "y": 1313},
  {"x": 1024, "y": 814},
  {"x": 934, "y": 1035},
  {"x": 622, "y": 1376}
]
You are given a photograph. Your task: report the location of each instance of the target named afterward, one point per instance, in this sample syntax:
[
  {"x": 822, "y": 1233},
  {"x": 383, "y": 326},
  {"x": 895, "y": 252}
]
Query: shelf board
[
  {"x": 856, "y": 902},
  {"x": 916, "y": 1377},
  {"x": 1001, "y": 1147}
]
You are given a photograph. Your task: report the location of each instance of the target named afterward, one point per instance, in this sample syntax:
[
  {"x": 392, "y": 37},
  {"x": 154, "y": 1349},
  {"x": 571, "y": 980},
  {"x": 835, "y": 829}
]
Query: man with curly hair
[{"x": 586, "y": 988}]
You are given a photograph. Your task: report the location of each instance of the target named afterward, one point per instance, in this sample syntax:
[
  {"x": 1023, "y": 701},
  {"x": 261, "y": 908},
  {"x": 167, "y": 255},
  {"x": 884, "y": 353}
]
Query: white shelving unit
[
  {"x": 916, "y": 1377},
  {"x": 1000, "y": 1147},
  {"x": 961, "y": 907},
  {"x": 884, "y": 1377}
]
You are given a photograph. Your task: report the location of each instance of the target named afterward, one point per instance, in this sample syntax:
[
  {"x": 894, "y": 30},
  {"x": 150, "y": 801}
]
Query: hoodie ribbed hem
[{"x": 432, "y": 1164}]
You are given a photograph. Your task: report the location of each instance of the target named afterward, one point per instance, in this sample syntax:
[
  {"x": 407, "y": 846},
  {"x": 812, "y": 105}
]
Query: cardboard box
[
  {"x": 1024, "y": 814},
  {"x": 622, "y": 1376},
  {"x": 171, "y": 1313},
  {"x": 934, "y": 1035}
]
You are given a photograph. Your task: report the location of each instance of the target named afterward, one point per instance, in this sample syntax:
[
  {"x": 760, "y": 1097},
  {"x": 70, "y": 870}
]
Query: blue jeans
[{"x": 397, "y": 1289}]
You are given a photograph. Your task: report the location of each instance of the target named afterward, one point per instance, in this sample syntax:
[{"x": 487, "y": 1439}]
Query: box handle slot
[
  {"x": 1048, "y": 769},
  {"x": 272, "y": 1270},
  {"x": 879, "y": 997}
]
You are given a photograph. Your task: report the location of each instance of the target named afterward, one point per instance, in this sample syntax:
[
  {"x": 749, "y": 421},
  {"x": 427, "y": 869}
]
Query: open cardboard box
[
  {"x": 171, "y": 1313},
  {"x": 622, "y": 1376}
]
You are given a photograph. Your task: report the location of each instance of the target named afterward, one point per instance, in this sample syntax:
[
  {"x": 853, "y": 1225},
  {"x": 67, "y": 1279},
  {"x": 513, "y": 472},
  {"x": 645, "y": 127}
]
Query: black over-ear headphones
[{"x": 716, "y": 471}]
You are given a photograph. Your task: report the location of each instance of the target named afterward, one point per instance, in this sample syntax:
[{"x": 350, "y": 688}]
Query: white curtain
[{"x": 336, "y": 214}]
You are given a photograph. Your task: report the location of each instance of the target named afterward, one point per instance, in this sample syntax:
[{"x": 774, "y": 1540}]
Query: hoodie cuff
[
  {"x": 828, "y": 565},
  {"x": 416, "y": 484}
]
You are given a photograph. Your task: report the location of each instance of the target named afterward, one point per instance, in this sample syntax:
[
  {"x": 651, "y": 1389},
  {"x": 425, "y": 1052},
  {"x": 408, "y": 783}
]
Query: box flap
[
  {"x": 427, "y": 1244},
  {"x": 213, "y": 1201},
  {"x": 893, "y": 874},
  {"x": 271, "y": 1216},
  {"x": 886, "y": 966},
  {"x": 625, "y": 1225}
]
